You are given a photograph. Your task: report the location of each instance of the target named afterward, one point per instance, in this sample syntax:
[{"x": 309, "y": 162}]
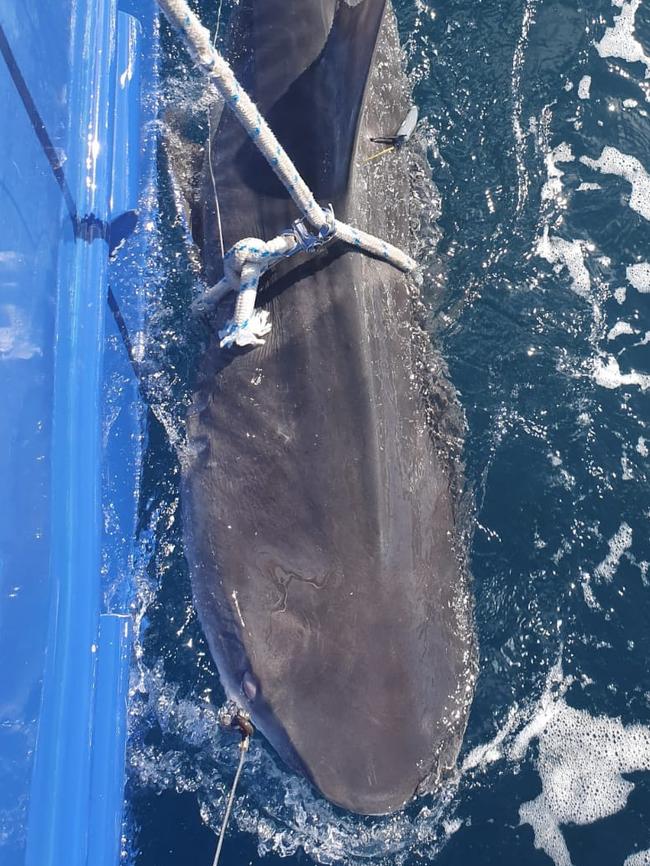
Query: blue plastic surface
[
  {"x": 109, "y": 737},
  {"x": 73, "y": 157}
]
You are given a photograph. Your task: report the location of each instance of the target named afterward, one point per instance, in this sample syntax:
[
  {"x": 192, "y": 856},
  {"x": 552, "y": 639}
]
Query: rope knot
[
  {"x": 310, "y": 242},
  {"x": 233, "y": 718},
  {"x": 245, "y": 263}
]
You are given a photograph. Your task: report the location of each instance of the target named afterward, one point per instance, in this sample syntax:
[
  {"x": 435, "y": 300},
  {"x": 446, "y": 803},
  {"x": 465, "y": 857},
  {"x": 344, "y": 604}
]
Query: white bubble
[
  {"x": 584, "y": 87},
  {"x": 587, "y": 591},
  {"x": 627, "y": 470}
]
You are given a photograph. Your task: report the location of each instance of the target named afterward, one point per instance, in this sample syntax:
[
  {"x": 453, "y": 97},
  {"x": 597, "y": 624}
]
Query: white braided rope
[{"x": 249, "y": 326}]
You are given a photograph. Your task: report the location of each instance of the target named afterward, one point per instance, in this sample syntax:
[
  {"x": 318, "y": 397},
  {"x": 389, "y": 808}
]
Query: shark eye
[{"x": 249, "y": 686}]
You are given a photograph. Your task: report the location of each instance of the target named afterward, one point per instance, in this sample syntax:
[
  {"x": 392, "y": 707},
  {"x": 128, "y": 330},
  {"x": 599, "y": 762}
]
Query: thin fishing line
[
  {"x": 243, "y": 747},
  {"x": 214, "y": 182}
]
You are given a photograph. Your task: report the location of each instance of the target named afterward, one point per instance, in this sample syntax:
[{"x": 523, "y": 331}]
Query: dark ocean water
[{"x": 545, "y": 325}]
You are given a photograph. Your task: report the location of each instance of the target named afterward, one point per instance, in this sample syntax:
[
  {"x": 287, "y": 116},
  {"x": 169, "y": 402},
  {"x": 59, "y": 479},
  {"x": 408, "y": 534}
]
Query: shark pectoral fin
[{"x": 119, "y": 229}]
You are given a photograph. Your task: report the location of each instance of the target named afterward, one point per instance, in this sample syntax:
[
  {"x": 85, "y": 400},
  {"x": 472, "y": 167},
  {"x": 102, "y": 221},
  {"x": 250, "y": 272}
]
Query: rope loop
[{"x": 247, "y": 260}]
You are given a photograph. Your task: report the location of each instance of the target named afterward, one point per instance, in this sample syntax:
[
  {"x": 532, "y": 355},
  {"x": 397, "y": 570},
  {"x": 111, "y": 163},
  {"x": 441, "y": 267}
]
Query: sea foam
[
  {"x": 620, "y": 41},
  {"x": 584, "y": 86},
  {"x": 581, "y": 763},
  {"x": 639, "y": 276},
  {"x": 620, "y": 328},
  {"x": 581, "y": 760},
  {"x": 552, "y": 189},
  {"x": 607, "y": 374},
  {"x": 568, "y": 254},
  {"x": 612, "y": 161},
  {"x": 641, "y": 858},
  {"x": 618, "y": 544}
]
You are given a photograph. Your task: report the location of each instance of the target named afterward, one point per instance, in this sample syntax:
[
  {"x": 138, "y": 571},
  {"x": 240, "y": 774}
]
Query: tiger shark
[{"x": 321, "y": 480}]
